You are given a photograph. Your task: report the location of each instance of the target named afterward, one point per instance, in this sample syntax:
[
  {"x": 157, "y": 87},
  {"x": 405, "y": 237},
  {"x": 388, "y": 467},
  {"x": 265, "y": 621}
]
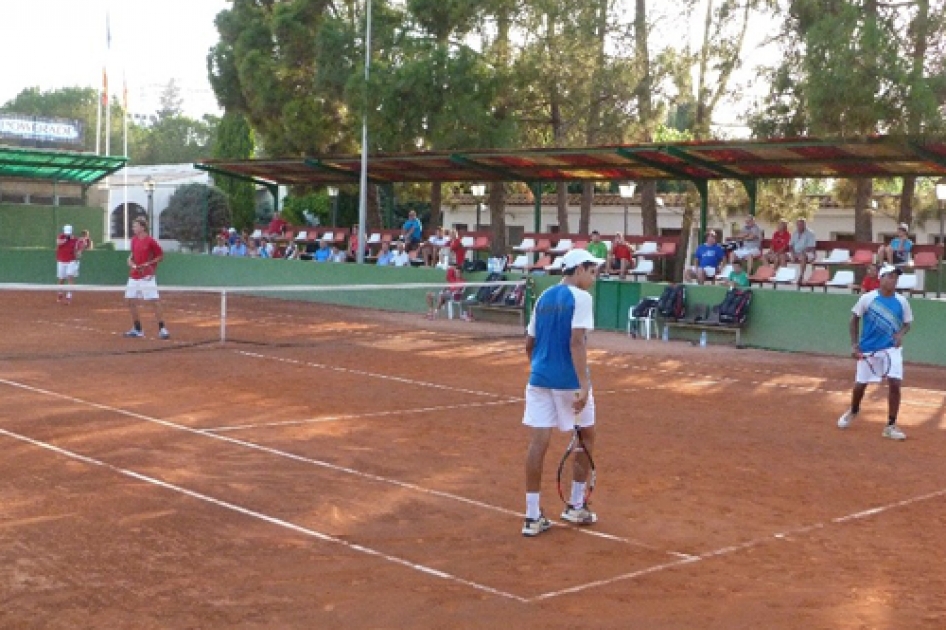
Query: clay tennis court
[{"x": 358, "y": 469}]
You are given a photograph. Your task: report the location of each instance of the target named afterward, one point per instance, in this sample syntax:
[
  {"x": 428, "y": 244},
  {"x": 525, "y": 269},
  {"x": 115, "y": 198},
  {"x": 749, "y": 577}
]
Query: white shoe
[
  {"x": 535, "y": 526},
  {"x": 845, "y": 420},
  {"x": 164, "y": 334},
  {"x": 579, "y": 515},
  {"x": 893, "y": 432},
  {"x": 134, "y": 333}
]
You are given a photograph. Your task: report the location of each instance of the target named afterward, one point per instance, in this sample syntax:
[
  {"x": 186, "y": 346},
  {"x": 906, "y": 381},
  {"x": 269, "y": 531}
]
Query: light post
[
  {"x": 333, "y": 193},
  {"x": 148, "y": 185},
  {"x": 627, "y": 192},
  {"x": 479, "y": 191},
  {"x": 941, "y": 197}
]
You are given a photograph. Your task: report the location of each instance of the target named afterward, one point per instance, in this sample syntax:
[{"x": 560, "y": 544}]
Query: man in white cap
[
  {"x": 899, "y": 250},
  {"x": 558, "y": 395},
  {"x": 877, "y": 348},
  {"x": 66, "y": 262}
]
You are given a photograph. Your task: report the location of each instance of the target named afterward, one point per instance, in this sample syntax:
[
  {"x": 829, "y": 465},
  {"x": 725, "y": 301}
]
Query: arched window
[{"x": 134, "y": 211}]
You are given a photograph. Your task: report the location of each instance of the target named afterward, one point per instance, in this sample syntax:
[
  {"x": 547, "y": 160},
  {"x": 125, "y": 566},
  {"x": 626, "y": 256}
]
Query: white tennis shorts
[
  {"x": 747, "y": 252},
  {"x": 864, "y": 373},
  {"x": 145, "y": 289},
  {"x": 552, "y": 408},
  {"x": 67, "y": 270}
]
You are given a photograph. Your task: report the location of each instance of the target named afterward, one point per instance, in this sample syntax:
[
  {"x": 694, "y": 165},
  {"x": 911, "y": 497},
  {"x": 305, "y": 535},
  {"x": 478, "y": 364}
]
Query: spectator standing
[
  {"x": 412, "y": 231},
  {"x": 278, "y": 225},
  {"x": 750, "y": 246},
  {"x": 401, "y": 258},
  {"x": 456, "y": 246},
  {"x": 558, "y": 395},
  {"x": 900, "y": 249},
  {"x": 738, "y": 278},
  {"x": 802, "y": 247},
  {"x": 887, "y": 317},
  {"x": 870, "y": 282},
  {"x": 778, "y": 250},
  {"x": 143, "y": 261},
  {"x": 385, "y": 255},
  {"x": 706, "y": 261},
  {"x": 67, "y": 265},
  {"x": 620, "y": 258}
]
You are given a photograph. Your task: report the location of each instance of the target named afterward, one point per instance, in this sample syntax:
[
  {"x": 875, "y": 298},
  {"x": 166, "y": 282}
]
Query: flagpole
[
  {"x": 125, "y": 153},
  {"x": 363, "y": 193},
  {"x": 98, "y": 117},
  {"x": 108, "y": 100}
]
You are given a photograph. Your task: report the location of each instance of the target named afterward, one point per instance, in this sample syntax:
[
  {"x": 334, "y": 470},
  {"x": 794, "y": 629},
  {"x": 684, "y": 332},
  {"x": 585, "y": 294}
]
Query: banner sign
[{"x": 39, "y": 129}]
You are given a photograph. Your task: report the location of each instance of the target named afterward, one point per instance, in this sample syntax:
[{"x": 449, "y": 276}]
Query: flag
[{"x": 108, "y": 32}]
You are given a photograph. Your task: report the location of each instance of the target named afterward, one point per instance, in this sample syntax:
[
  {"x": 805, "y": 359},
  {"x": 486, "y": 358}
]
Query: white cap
[
  {"x": 889, "y": 269},
  {"x": 67, "y": 229},
  {"x": 579, "y": 257},
  {"x": 904, "y": 227}
]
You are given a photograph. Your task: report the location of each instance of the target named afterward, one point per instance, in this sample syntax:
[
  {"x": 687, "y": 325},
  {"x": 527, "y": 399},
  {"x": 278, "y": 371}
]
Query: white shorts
[
  {"x": 552, "y": 408},
  {"x": 864, "y": 373},
  {"x": 747, "y": 252},
  {"x": 809, "y": 256},
  {"x": 145, "y": 289},
  {"x": 708, "y": 272},
  {"x": 67, "y": 269}
]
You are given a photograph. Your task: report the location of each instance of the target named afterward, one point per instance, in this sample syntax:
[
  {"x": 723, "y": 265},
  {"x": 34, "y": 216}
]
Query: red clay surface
[{"x": 368, "y": 474}]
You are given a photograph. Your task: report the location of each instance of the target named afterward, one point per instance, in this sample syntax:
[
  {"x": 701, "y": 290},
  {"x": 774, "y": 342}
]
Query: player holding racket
[
  {"x": 887, "y": 317},
  {"x": 558, "y": 395},
  {"x": 143, "y": 261}
]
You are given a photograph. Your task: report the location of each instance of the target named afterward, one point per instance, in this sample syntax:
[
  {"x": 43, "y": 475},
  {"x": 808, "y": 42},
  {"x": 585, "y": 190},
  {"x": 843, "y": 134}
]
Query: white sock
[
  {"x": 532, "y": 505},
  {"x": 578, "y": 494}
]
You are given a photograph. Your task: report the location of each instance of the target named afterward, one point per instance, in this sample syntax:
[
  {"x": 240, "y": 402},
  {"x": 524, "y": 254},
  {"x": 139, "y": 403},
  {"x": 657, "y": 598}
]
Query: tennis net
[{"x": 37, "y": 325}]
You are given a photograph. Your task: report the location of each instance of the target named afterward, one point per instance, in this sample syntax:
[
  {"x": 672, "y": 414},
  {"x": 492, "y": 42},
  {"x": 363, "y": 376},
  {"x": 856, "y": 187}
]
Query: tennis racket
[
  {"x": 576, "y": 464},
  {"x": 878, "y": 362}
]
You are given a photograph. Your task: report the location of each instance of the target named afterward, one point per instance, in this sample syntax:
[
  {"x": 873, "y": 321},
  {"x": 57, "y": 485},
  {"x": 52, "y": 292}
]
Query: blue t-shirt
[
  {"x": 384, "y": 259},
  {"x": 322, "y": 254},
  {"x": 882, "y": 317},
  {"x": 901, "y": 255},
  {"x": 557, "y": 311},
  {"x": 710, "y": 255},
  {"x": 413, "y": 229}
]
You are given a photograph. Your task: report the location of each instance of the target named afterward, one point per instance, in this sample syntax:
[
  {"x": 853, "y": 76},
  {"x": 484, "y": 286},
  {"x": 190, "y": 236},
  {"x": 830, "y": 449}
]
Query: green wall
[
  {"x": 38, "y": 226},
  {"x": 784, "y": 319}
]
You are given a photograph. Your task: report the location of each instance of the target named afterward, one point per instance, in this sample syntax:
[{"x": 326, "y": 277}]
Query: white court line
[
  {"x": 359, "y": 416},
  {"x": 385, "y": 377},
  {"x": 323, "y": 464},
  {"x": 272, "y": 520},
  {"x": 784, "y": 536}
]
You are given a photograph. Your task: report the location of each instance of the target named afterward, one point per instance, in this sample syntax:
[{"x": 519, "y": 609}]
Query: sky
[{"x": 62, "y": 43}]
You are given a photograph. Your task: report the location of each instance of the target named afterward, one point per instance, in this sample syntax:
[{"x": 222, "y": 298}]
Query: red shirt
[
  {"x": 621, "y": 251},
  {"x": 780, "y": 241},
  {"x": 144, "y": 250},
  {"x": 870, "y": 284},
  {"x": 277, "y": 225},
  {"x": 65, "y": 249},
  {"x": 459, "y": 251}
]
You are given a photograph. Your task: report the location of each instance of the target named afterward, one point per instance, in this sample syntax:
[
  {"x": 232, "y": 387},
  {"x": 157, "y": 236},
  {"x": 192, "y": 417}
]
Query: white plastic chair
[
  {"x": 556, "y": 265},
  {"x": 329, "y": 236},
  {"x": 647, "y": 248},
  {"x": 837, "y": 257},
  {"x": 907, "y": 282},
  {"x": 257, "y": 234},
  {"x": 723, "y": 276},
  {"x": 301, "y": 236},
  {"x": 785, "y": 275},
  {"x": 521, "y": 263},
  {"x": 843, "y": 278},
  {"x": 374, "y": 239},
  {"x": 468, "y": 242},
  {"x": 563, "y": 246},
  {"x": 648, "y": 322},
  {"x": 644, "y": 268},
  {"x": 527, "y": 244}
]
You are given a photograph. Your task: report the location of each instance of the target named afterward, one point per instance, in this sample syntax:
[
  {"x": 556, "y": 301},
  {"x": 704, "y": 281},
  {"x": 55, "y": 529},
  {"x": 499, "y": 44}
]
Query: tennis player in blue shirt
[
  {"x": 877, "y": 348},
  {"x": 558, "y": 395}
]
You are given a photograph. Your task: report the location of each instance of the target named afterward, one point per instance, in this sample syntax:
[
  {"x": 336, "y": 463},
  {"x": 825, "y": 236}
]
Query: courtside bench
[
  {"x": 704, "y": 317},
  {"x": 498, "y": 312}
]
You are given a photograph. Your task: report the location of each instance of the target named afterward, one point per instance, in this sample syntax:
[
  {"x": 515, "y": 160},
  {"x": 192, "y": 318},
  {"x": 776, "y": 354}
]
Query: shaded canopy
[
  {"x": 64, "y": 166},
  {"x": 876, "y": 156}
]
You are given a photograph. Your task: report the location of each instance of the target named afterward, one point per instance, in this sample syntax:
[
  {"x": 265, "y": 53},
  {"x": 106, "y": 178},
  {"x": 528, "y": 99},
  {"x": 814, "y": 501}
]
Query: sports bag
[
  {"x": 735, "y": 306},
  {"x": 644, "y": 306},
  {"x": 485, "y": 293},
  {"x": 672, "y": 303}
]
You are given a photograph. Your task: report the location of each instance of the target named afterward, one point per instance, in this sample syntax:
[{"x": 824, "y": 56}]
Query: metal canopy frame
[
  {"x": 63, "y": 166},
  {"x": 697, "y": 162}
]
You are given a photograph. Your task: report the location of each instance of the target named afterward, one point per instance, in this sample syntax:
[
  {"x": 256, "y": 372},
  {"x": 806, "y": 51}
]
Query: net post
[{"x": 223, "y": 317}]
